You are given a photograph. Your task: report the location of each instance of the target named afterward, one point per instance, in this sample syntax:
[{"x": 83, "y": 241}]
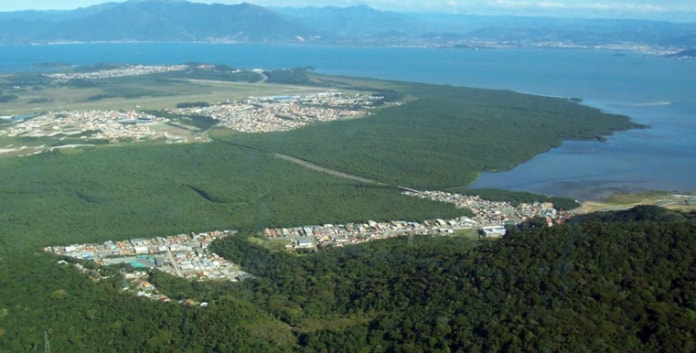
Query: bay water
[{"x": 656, "y": 91}]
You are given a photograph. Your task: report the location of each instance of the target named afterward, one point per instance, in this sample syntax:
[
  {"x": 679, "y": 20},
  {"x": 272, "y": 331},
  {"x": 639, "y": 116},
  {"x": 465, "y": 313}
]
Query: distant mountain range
[
  {"x": 152, "y": 20},
  {"x": 182, "y": 21}
]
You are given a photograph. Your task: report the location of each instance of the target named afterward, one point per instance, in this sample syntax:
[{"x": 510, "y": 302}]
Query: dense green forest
[
  {"x": 114, "y": 193},
  {"x": 442, "y": 136},
  {"x": 610, "y": 282},
  {"x": 297, "y": 76}
]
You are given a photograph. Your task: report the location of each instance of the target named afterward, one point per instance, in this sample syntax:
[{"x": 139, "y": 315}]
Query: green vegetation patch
[
  {"x": 44, "y": 299},
  {"x": 605, "y": 282},
  {"x": 613, "y": 281},
  {"x": 33, "y": 92},
  {"x": 137, "y": 86},
  {"x": 219, "y": 72},
  {"x": 444, "y": 137},
  {"x": 295, "y": 76},
  {"x": 144, "y": 191},
  {"x": 7, "y": 98},
  {"x": 191, "y": 122},
  {"x": 608, "y": 282}
]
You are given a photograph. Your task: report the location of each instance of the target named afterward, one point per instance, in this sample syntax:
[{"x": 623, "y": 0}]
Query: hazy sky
[{"x": 665, "y": 9}]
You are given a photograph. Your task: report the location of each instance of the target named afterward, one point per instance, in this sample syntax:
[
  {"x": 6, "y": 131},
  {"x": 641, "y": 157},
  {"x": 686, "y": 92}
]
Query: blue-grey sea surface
[{"x": 656, "y": 91}]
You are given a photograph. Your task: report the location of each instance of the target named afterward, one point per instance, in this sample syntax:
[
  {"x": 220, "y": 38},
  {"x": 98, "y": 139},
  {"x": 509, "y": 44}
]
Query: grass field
[{"x": 155, "y": 95}]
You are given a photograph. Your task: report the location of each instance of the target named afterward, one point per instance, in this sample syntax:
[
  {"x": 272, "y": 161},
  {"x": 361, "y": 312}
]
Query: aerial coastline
[
  {"x": 229, "y": 178},
  {"x": 177, "y": 136},
  {"x": 92, "y": 116}
]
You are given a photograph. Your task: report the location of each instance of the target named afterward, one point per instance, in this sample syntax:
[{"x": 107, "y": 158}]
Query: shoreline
[
  {"x": 614, "y": 172},
  {"x": 592, "y": 189}
]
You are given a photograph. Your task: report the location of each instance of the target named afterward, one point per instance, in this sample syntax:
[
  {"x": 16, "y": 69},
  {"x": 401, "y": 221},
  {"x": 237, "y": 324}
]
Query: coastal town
[
  {"x": 253, "y": 115},
  {"x": 283, "y": 113},
  {"x": 489, "y": 220},
  {"x": 88, "y": 125},
  {"x": 125, "y": 71},
  {"x": 187, "y": 255}
]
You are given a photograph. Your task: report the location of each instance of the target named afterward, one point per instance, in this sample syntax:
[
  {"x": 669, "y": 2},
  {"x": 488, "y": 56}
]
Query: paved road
[
  {"x": 174, "y": 263},
  {"x": 319, "y": 168}
]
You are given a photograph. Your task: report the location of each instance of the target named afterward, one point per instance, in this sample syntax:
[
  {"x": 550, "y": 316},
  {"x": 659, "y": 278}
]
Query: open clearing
[
  {"x": 152, "y": 95},
  {"x": 618, "y": 202}
]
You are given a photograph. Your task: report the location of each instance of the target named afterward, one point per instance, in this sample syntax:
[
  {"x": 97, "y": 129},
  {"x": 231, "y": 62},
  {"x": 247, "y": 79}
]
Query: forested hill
[
  {"x": 625, "y": 283},
  {"x": 611, "y": 282}
]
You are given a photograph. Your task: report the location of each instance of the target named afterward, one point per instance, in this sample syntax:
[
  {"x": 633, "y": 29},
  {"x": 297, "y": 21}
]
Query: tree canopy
[{"x": 611, "y": 282}]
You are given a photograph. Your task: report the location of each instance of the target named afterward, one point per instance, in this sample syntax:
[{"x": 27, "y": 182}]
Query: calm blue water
[{"x": 656, "y": 91}]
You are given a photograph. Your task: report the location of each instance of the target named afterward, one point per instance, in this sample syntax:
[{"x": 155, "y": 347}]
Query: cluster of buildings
[
  {"x": 495, "y": 213},
  {"x": 254, "y": 115},
  {"x": 354, "y": 233},
  {"x": 490, "y": 219},
  {"x": 187, "y": 255},
  {"x": 283, "y": 113},
  {"x": 109, "y": 125},
  {"x": 135, "y": 70},
  {"x": 183, "y": 255}
]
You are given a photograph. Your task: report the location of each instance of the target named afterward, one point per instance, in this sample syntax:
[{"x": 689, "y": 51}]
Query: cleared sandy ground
[{"x": 626, "y": 201}]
